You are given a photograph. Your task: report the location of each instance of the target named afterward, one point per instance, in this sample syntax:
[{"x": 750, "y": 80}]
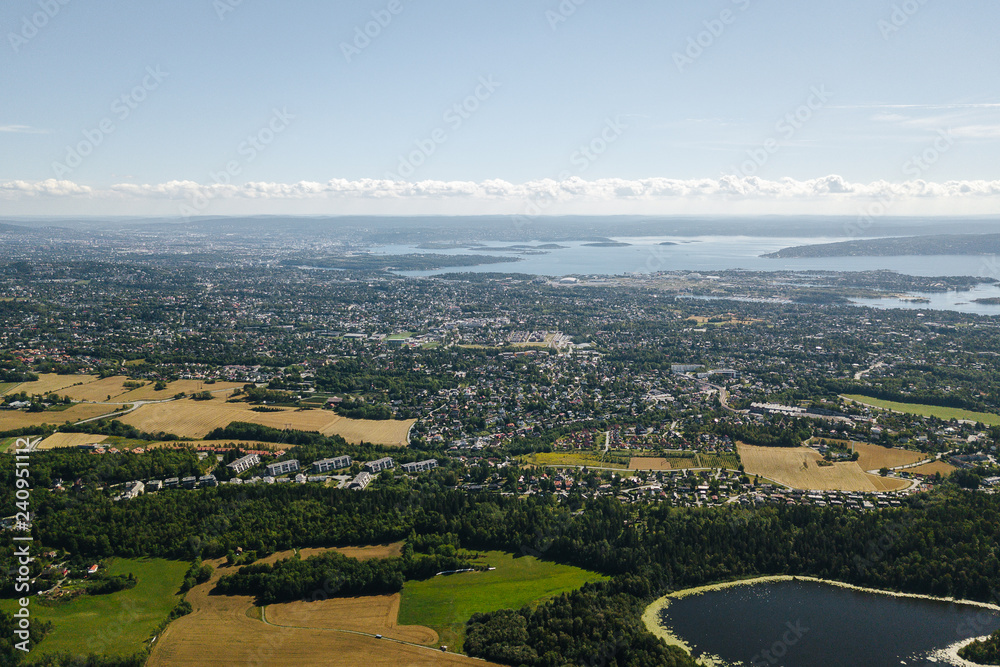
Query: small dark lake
[{"x": 812, "y": 624}]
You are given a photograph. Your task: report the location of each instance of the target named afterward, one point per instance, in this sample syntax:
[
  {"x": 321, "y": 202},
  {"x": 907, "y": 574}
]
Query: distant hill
[
  {"x": 945, "y": 244},
  {"x": 12, "y": 229}
]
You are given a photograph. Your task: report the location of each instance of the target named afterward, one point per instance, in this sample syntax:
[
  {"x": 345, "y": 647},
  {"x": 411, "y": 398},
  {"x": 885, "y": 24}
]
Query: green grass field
[
  {"x": 115, "y": 624},
  {"x": 7, "y": 386},
  {"x": 987, "y": 418},
  {"x": 445, "y": 603}
]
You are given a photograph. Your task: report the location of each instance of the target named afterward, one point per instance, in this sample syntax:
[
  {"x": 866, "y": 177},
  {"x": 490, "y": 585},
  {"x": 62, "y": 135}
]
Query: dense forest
[{"x": 945, "y": 544}]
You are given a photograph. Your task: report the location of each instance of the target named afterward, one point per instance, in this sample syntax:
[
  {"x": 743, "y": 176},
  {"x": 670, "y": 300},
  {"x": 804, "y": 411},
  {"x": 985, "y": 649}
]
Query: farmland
[
  {"x": 116, "y": 624},
  {"x": 190, "y": 419},
  {"x": 230, "y": 630},
  {"x": 798, "y": 467},
  {"x": 874, "y": 457},
  {"x": 660, "y": 463},
  {"x": 933, "y": 467},
  {"x": 71, "y": 440},
  {"x": 51, "y": 382},
  {"x": 922, "y": 410},
  {"x": 445, "y": 603},
  {"x": 13, "y": 419}
]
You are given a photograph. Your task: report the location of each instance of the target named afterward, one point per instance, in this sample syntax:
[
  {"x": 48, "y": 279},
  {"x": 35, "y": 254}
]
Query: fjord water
[
  {"x": 812, "y": 624},
  {"x": 699, "y": 253}
]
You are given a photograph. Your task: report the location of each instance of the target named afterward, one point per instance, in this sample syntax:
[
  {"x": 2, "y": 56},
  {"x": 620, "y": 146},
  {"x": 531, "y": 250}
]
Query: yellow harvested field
[
  {"x": 11, "y": 419},
  {"x": 641, "y": 463},
  {"x": 365, "y": 553},
  {"x": 91, "y": 389},
  {"x": 149, "y": 393},
  {"x": 928, "y": 469},
  {"x": 875, "y": 457},
  {"x": 97, "y": 391},
  {"x": 376, "y": 432},
  {"x": 195, "y": 419},
  {"x": 71, "y": 440},
  {"x": 798, "y": 467},
  {"x": 230, "y": 631},
  {"x": 374, "y": 614},
  {"x": 49, "y": 382}
]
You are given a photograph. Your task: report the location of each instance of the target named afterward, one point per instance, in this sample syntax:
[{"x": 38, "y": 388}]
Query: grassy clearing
[
  {"x": 7, "y": 386},
  {"x": 445, "y": 603},
  {"x": 115, "y": 624},
  {"x": 923, "y": 410}
]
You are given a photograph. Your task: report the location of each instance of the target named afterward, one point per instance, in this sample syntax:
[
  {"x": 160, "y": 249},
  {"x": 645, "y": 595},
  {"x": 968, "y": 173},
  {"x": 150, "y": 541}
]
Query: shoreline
[{"x": 651, "y": 615}]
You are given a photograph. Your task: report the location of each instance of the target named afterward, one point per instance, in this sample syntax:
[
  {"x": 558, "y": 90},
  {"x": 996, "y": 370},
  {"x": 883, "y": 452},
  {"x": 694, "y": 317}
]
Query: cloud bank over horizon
[{"x": 729, "y": 194}]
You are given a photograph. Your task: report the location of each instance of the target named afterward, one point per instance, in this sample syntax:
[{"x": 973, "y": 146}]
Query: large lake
[
  {"x": 720, "y": 253},
  {"x": 812, "y": 624}
]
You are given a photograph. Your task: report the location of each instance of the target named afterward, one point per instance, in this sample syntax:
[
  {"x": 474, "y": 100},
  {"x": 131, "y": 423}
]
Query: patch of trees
[
  {"x": 361, "y": 410},
  {"x": 984, "y": 652},
  {"x": 330, "y": 574},
  {"x": 596, "y": 625},
  {"x": 70, "y": 464},
  {"x": 198, "y": 573},
  {"x": 104, "y": 585},
  {"x": 791, "y": 434}
]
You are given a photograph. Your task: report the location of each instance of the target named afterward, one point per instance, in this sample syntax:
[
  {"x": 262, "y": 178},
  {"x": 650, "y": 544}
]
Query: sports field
[
  {"x": 923, "y": 410},
  {"x": 116, "y": 624},
  {"x": 445, "y": 603},
  {"x": 195, "y": 419},
  {"x": 798, "y": 467}
]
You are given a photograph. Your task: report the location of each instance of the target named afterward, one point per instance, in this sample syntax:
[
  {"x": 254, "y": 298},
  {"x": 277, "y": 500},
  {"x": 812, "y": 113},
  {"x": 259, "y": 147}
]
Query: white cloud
[
  {"x": 21, "y": 129},
  {"x": 829, "y": 194}
]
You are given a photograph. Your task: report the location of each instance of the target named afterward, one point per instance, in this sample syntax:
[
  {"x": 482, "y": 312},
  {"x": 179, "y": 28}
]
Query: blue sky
[{"x": 739, "y": 106}]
